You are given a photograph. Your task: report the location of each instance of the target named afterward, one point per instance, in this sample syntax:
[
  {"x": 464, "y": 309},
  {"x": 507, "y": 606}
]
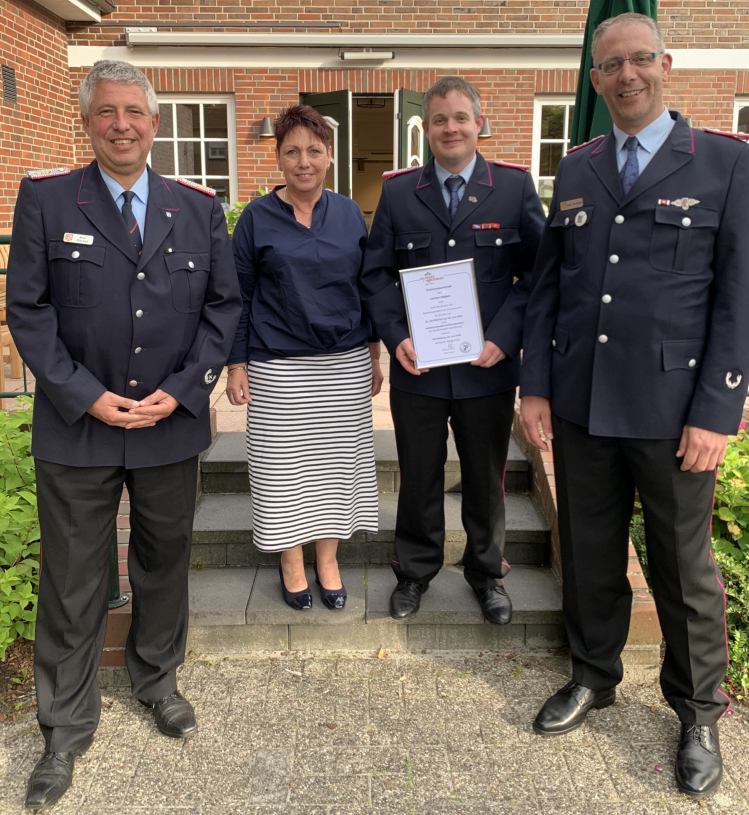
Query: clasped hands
[
  {"x": 129, "y": 414},
  {"x": 405, "y": 353}
]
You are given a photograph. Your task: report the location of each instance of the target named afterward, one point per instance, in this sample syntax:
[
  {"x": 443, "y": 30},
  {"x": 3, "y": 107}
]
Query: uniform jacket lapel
[
  {"x": 96, "y": 203},
  {"x": 161, "y": 213},
  {"x": 480, "y": 186},
  {"x": 428, "y": 191},
  {"x": 603, "y": 163}
]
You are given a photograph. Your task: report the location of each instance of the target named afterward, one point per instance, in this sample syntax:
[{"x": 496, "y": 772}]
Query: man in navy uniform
[
  {"x": 635, "y": 357},
  {"x": 123, "y": 300},
  {"x": 457, "y": 206}
]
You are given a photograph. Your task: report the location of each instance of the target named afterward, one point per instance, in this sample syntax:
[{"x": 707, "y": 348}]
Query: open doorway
[{"x": 372, "y": 142}]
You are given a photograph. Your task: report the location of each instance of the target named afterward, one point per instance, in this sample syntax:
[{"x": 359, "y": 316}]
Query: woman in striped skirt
[{"x": 304, "y": 363}]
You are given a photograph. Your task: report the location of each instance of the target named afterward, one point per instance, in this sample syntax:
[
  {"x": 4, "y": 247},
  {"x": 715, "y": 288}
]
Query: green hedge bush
[{"x": 19, "y": 528}]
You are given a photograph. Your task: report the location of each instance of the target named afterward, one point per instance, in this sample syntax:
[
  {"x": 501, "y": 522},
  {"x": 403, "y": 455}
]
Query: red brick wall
[
  {"x": 34, "y": 132},
  {"x": 686, "y": 23}
]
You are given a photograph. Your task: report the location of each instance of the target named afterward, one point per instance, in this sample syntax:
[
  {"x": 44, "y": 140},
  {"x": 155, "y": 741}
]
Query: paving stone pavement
[{"x": 348, "y": 734}]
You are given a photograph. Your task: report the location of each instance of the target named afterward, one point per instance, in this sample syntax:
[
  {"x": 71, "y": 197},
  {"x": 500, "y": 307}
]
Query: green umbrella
[{"x": 591, "y": 115}]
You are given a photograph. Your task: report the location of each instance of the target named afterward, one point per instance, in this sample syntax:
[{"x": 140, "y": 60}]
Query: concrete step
[
  {"x": 222, "y": 534},
  {"x": 239, "y": 610},
  {"x": 223, "y": 466}
]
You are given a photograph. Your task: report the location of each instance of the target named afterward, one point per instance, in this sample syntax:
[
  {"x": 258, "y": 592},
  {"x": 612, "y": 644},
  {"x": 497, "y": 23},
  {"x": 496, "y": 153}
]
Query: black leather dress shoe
[
  {"x": 496, "y": 604},
  {"x": 566, "y": 710},
  {"x": 405, "y": 599},
  {"x": 699, "y": 767},
  {"x": 174, "y": 716},
  {"x": 51, "y": 777}
]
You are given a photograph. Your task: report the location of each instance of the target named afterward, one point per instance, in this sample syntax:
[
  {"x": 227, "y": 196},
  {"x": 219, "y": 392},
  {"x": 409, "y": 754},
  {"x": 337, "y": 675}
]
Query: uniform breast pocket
[
  {"x": 682, "y": 240},
  {"x": 413, "y": 249},
  {"x": 495, "y": 249},
  {"x": 574, "y": 225},
  {"x": 188, "y": 276},
  {"x": 76, "y": 272}
]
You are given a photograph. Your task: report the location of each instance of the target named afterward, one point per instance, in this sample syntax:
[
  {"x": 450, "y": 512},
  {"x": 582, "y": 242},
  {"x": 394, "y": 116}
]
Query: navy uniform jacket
[
  {"x": 639, "y": 319},
  {"x": 498, "y": 223},
  {"x": 90, "y": 315}
]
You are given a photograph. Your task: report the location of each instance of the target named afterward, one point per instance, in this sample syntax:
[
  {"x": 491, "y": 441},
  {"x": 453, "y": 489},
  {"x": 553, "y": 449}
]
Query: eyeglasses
[{"x": 639, "y": 60}]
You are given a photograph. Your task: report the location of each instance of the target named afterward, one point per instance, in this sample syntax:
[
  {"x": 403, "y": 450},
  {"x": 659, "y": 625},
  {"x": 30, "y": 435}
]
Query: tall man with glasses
[
  {"x": 123, "y": 300},
  {"x": 636, "y": 353},
  {"x": 459, "y": 205}
]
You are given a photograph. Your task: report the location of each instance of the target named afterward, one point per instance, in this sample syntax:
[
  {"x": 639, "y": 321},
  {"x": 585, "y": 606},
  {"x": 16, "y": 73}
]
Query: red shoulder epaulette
[
  {"x": 38, "y": 175},
  {"x": 501, "y": 163},
  {"x": 738, "y": 136},
  {"x": 585, "y": 144},
  {"x": 193, "y": 185},
  {"x": 388, "y": 174}
]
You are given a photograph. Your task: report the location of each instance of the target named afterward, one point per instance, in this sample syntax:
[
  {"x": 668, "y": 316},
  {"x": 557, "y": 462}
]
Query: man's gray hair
[
  {"x": 111, "y": 70},
  {"x": 627, "y": 17},
  {"x": 452, "y": 83}
]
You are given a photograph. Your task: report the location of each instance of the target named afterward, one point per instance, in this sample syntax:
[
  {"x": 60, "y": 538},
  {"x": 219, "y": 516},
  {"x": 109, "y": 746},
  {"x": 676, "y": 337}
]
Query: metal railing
[{"x": 116, "y": 597}]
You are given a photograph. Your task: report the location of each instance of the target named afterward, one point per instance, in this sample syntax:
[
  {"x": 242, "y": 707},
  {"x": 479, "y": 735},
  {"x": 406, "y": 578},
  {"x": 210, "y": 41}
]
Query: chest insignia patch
[
  {"x": 581, "y": 218},
  {"x": 472, "y": 199},
  {"x": 683, "y": 203},
  {"x": 733, "y": 380},
  {"x": 209, "y": 377},
  {"x": 486, "y": 226}
]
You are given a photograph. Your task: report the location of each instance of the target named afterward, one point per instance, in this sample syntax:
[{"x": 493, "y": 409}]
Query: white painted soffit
[
  {"x": 546, "y": 58},
  {"x": 73, "y": 10}
]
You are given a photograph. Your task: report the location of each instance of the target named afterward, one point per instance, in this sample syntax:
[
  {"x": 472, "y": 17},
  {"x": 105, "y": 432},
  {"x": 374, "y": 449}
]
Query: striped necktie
[
  {"x": 631, "y": 168},
  {"x": 453, "y": 184},
  {"x": 130, "y": 222}
]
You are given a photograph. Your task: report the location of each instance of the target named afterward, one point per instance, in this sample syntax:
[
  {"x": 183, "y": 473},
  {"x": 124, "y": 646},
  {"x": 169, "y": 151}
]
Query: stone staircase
[{"x": 236, "y": 604}]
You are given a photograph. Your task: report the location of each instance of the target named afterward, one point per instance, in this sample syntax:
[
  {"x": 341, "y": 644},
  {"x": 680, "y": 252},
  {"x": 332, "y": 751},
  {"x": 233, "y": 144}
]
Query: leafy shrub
[
  {"x": 19, "y": 528},
  {"x": 731, "y": 548},
  {"x": 233, "y": 212}
]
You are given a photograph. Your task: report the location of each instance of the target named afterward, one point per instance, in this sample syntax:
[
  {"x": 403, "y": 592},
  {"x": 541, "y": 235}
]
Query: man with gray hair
[
  {"x": 123, "y": 300},
  {"x": 457, "y": 206},
  {"x": 635, "y": 356}
]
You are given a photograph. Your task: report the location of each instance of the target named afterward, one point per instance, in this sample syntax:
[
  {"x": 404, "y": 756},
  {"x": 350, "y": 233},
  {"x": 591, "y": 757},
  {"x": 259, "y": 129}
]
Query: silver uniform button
[
  {"x": 606, "y": 298},
  {"x": 553, "y": 343},
  {"x": 602, "y": 338},
  {"x": 566, "y": 221},
  {"x": 75, "y": 254},
  {"x": 133, "y": 383},
  {"x": 409, "y": 246},
  {"x": 190, "y": 264},
  {"x": 686, "y": 221},
  {"x": 619, "y": 219},
  {"x": 137, "y": 350},
  {"x": 614, "y": 259},
  {"x": 498, "y": 242},
  {"x": 139, "y": 312},
  {"x": 451, "y": 242},
  {"x": 169, "y": 250},
  {"x": 692, "y": 363},
  {"x": 141, "y": 275}
]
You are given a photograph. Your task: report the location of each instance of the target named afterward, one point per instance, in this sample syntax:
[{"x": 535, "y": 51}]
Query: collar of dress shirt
[
  {"x": 140, "y": 188},
  {"x": 651, "y": 137}
]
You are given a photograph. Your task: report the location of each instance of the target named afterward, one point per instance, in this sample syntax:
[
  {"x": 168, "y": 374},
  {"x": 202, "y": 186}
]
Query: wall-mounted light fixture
[
  {"x": 367, "y": 55},
  {"x": 486, "y": 129},
  {"x": 266, "y": 128}
]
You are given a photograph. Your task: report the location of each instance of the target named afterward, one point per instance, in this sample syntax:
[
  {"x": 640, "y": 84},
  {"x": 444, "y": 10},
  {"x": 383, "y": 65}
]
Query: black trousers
[
  {"x": 77, "y": 514},
  {"x": 596, "y": 480},
  {"x": 481, "y": 427}
]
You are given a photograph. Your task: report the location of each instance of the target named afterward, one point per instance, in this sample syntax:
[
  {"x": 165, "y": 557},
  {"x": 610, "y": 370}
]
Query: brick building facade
[{"x": 221, "y": 66}]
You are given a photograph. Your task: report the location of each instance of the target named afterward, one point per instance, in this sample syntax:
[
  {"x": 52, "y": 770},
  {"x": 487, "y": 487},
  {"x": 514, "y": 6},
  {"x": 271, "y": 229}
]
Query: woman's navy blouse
[{"x": 300, "y": 285}]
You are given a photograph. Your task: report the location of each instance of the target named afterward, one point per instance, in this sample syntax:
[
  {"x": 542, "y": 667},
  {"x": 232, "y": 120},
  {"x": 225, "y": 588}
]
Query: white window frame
[
  {"x": 739, "y": 103},
  {"x": 231, "y": 124},
  {"x": 538, "y": 103}
]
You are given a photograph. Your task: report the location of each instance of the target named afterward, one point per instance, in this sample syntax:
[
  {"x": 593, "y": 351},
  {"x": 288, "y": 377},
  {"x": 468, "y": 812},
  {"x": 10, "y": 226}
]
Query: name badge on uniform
[
  {"x": 73, "y": 237},
  {"x": 573, "y": 203}
]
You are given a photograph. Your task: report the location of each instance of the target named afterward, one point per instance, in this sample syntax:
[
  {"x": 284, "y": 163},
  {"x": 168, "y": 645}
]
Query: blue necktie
[
  {"x": 453, "y": 184},
  {"x": 130, "y": 221},
  {"x": 631, "y": 168}
]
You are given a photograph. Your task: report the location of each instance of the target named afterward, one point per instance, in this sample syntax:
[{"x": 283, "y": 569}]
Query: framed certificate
[{"x": 443, "y": 313}]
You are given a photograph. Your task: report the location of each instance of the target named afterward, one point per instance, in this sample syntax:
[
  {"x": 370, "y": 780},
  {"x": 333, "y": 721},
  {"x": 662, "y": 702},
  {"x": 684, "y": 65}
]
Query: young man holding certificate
[{"x": 457, "y": 207}]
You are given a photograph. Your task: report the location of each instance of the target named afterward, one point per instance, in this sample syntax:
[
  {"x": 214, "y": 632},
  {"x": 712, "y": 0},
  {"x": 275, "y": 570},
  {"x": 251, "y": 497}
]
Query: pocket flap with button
[
  {"x": 679, "y": 354},
  {"x": 409, "y": 241},
  {"x": 496, "y": 237},
  {"x": 190, "y": 261},
  {"x": 77, "y": 253},
  {"x": 687, "y": 219}
]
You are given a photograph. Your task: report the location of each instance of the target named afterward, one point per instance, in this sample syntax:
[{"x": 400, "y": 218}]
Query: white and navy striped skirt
[{"x": 310, "y": 448}]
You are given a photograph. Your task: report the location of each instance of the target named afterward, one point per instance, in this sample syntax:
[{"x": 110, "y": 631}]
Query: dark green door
[
  {"x": 412, "y": 149},
  {"x": 336, "y": 106}
]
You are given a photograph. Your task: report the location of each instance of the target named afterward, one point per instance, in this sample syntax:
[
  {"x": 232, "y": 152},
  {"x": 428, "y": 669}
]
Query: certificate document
[{"x": 443, "y": 313}]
